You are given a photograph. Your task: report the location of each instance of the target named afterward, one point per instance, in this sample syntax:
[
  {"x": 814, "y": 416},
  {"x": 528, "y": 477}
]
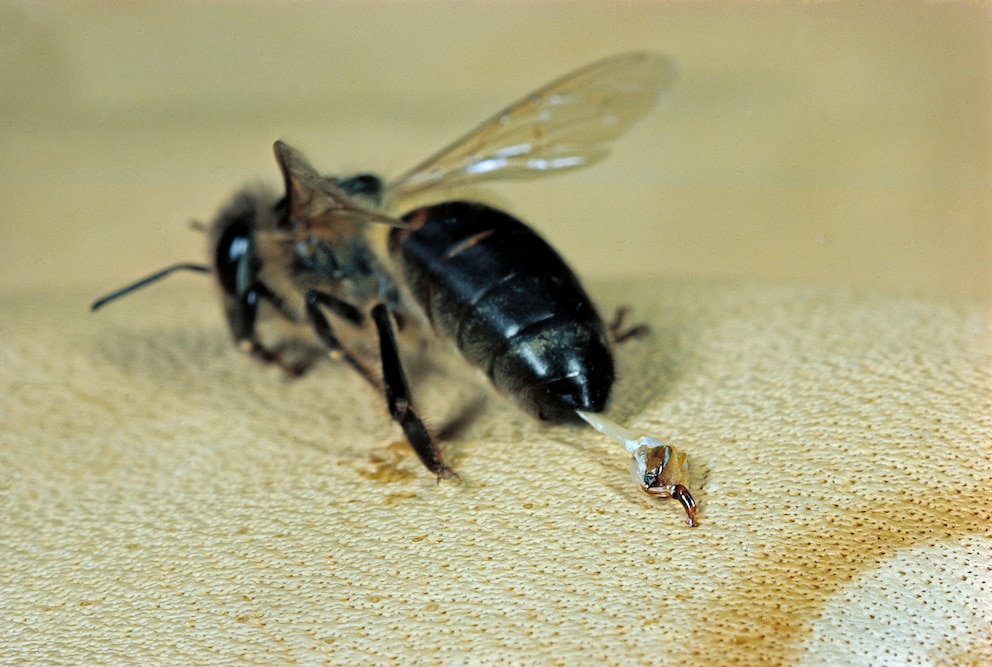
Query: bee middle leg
[
  {"x": 270, "y": 356},
  {"x": 393, "y": 385},
  {"x": 397, "y": 392},
  {"x": 619, "y": 333},
  {"x": 324, "y": 331}
]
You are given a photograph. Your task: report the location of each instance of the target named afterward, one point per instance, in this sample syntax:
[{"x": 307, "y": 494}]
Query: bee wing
[
  {"x": 567, "y": 124},
  {"x": 315, "y": 206}
]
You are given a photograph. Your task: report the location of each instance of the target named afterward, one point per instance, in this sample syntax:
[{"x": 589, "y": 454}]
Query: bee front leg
[
  {"x": 242, "y": 322},
  {"x": 397, "y": 392}
]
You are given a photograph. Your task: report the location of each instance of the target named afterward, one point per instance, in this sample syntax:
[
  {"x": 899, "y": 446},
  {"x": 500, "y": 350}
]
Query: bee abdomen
[{"x": 510, "y": 304}]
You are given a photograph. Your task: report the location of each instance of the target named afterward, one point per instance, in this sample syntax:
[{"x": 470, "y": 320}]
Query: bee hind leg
[{"x": 619, "y": 333}]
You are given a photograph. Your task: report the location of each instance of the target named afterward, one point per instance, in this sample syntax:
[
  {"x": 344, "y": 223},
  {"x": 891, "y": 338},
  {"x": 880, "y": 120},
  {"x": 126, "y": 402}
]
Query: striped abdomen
[{"x": 510, "y": 304}]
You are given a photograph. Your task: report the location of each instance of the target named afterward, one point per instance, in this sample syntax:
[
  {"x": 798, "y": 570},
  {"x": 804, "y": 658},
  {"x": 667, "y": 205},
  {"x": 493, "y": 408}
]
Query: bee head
[{"x": 236, "y": 260}]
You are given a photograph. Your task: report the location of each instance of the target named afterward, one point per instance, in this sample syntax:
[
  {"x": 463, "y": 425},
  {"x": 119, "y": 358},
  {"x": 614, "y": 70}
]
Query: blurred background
[{"x": 844, "y": 143}]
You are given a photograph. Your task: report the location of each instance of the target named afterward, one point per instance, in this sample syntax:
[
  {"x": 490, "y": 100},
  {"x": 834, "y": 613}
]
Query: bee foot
[{"x": 444, "y": 472}]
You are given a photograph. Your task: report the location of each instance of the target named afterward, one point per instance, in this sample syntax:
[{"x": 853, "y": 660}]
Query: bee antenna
[{"x": 147, "y": 280}]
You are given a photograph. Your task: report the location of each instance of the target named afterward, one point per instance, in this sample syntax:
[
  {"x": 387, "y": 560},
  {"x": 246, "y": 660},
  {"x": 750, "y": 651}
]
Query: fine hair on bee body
[{"x": 350, "y": 263}]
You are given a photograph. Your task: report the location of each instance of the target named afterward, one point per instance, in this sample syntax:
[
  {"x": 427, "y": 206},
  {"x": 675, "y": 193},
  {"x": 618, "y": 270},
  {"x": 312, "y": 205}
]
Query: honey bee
[{"x": 333, "y": 260}]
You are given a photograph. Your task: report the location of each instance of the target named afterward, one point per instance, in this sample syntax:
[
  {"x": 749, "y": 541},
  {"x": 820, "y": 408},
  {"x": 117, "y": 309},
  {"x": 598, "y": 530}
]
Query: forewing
[
  {"x": 567, "y": 124},
  {"x": 315, "y": 206}
]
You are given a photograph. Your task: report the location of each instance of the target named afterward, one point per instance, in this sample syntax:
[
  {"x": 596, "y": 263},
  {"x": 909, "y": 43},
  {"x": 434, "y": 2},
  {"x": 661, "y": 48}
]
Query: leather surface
[{"x": 167, "y": 500}]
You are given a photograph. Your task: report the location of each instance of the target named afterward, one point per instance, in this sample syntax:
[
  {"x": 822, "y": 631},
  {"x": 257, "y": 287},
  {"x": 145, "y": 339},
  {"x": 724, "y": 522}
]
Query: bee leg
[
  {"x": 242, "y": 321},
  {"x": 325, "y": 332},
  {"x": 339, "y": 307},
  {"x": 397, "y": 393},
  {"x": 265, "y": 355},
  {"x": 618, "y": 334},
  {"x": 393, "y": 385}
]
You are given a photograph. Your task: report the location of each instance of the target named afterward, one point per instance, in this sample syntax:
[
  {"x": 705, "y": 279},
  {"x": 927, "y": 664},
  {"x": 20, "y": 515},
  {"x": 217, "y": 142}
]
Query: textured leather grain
[{"x": 164, "y": 499}]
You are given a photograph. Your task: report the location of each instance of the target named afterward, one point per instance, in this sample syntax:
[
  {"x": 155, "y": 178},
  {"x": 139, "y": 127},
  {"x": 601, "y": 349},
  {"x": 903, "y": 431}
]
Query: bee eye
[
  {"x": 234, "y": 244},
  {"x": 362, "y": 185}
]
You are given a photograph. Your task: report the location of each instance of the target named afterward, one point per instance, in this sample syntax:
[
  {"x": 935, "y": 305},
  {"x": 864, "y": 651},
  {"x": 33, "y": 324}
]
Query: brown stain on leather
[
  {"x": 384, "y": 464},
  {"x": 762, "y": 616}
]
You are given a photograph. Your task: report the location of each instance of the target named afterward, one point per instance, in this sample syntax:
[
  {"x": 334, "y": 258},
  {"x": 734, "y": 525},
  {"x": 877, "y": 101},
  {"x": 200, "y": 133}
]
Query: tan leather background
[{"x": 804, "y": 223}]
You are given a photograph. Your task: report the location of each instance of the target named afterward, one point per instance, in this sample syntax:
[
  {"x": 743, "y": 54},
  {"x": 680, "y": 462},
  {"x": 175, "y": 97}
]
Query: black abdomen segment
[{"x": 510, "y": 303}]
